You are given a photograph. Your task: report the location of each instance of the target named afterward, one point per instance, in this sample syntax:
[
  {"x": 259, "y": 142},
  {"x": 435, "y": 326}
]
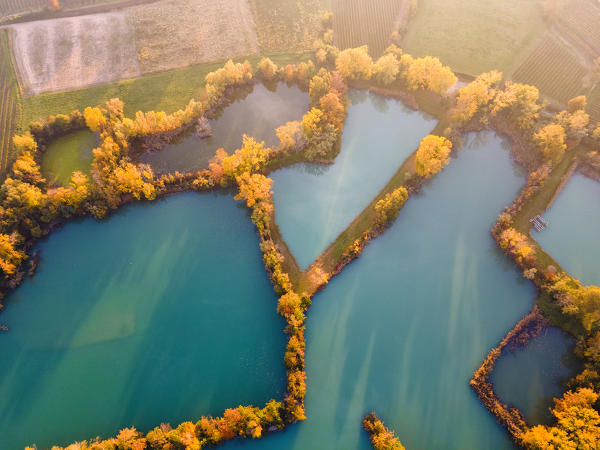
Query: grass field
[
  {"x": 356, "y": 22},
  {"x": 287, "y": 25},
  {"x": 9, "y": 102},
  {"x": 163, "y": 91},
  {"x": 66, "y": 155},
  {"x": 474, "y": 36},
  {"x": 553, "y": 68}
]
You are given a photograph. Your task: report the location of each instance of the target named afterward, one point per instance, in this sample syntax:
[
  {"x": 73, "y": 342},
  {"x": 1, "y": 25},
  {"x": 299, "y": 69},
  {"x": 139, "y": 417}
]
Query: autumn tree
[
  {"x": 253, "y": 188},
  {"x": 433, "y": 155},
  {"x": 577, "y": 424},
  {"x": 94, "y": 118},
  {"x": 550, "y": 141},
  {"x": 267, "y": 69},
  {"x": 251, "y": 157},
  {"x": 319, "y": 86},
  {"x": 388, "y": 208},
  {"x": 355, "y": 63},
  {"x": 320, "y": 136},
  {"x": 26, "y": 169},
  {"x": 386, "y": 69},
  {"x": 518, "y": 103},
  {"x": 290, "y": 136},
  {"x": 475, "y": 96},
  {"x": 577, "y": 103},
  {"x": 10, "y": 256},
  {"x": 428, "y": 73},
  {"x": 379, "y": 435},
  {"x": 333, "y": 109}
]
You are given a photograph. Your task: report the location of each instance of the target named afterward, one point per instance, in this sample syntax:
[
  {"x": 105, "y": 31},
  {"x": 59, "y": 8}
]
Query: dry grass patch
[
  {"x": 178, "y": 33},
  {"x": 287, "y": 25}
]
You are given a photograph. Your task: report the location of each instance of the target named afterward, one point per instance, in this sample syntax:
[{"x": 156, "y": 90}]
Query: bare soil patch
[{"x": 71, "y": 53}]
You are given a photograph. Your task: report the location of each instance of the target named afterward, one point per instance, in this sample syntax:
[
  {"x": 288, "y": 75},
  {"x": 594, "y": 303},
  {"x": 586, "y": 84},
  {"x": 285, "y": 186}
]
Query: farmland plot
[
  {"x": 475, "y": 36},
  {"x": 177, "y": 33},
  {"x": 71, "y": 53},
  {"x": 553, "y": 69},
  {"x": 359, "y": 22},
  {"x": 579, "y": 20},
  {"x": 287, "y": 25}
]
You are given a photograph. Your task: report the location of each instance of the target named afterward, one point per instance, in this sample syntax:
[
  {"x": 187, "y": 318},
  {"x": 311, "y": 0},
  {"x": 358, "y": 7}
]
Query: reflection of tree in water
[
  {"x": 239, "y": 93},
  {"x": 357, "y": 96},
  {"x": 314, "y": 169},
  {"x": 379, "y": 103}
]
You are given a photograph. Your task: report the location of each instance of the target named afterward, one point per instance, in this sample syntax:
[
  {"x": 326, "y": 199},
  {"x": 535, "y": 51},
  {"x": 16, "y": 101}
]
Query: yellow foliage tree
[
  {"x": 387, "y": 68},
  {"x": 254, "y": 188},
  {"x": 10, "y": 256},
  {"x": 433, "y": 155},
  {"x": 577, "y": 426},
  {"x": 475, "y": 95},
  {"x": 355, "y": 63},
  {"x": 94, "y": 119},
  {"x": 550, "y": 141},
  {"x": 430, "y": 74}
]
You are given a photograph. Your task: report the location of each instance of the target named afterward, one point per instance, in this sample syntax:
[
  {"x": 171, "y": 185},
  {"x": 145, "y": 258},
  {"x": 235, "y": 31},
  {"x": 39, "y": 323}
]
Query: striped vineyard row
[
  {"x": 358, "y": 22},
  {"x": 8, "y": 103},
  {"x": 582, "y": 21},
  {"x": 553, "y": 69}
]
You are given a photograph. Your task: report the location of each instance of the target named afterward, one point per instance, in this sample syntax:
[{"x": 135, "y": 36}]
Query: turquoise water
[
  {"x": 256, "y": 112},
  {"x": 163, "y": 313},
  {"x": 572, "y": 235},
  {"x": 401, "y": 330},
  {"x": 529, "y": 378},
  {"x": 315, "y": 203}
]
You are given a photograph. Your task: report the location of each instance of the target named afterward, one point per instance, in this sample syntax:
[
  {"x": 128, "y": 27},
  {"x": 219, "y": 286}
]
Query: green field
[
  {"x": 66, "y": 155},
  {"x": 164, "y": 91},
  {"x": 9, "y": 102},
  {"x": 356, "y": 23},
  {"x": 474, "y": 36},
  {"x": 553, "y": 69}
]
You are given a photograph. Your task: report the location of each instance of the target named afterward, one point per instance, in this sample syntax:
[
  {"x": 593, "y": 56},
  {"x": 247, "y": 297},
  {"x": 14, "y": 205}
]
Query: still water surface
[
  {"x": 162, "y": 313},
  {"x": 402, "y": 329},
  {"x": 256, "y": 111}
]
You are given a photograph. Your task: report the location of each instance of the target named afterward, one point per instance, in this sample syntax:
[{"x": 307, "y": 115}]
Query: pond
[
  {"x": 162, "y": 313},
  {"x": 256, "y": 112},
  {"x": 401, "y": 330},
  {"x": 67, "y": 154},
  {"x": 572, "y": 234},
  {"x": 315, "y": 203},
  {"x": 529, "y": 378}
]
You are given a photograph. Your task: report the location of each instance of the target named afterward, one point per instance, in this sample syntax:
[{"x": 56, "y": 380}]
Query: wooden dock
[{"x": 539, "y": 222}]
